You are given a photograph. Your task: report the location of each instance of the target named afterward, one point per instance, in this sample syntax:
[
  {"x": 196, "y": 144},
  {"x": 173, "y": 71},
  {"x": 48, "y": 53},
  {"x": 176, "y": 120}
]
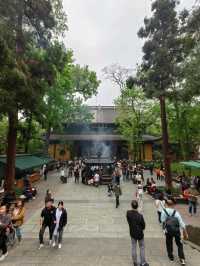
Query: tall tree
[
  {"x": 22, "y": 23},
  {"x": 162, "y": 53},
  {"x": 135, "y": 115}
]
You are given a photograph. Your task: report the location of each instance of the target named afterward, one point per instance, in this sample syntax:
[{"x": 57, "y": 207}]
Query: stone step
[{"x": 93, "y": 252}]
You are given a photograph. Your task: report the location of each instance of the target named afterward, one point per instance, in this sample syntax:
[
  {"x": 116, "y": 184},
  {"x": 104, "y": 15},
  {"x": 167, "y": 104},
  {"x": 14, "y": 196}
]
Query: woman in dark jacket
[{"x": 60, "y": 223}]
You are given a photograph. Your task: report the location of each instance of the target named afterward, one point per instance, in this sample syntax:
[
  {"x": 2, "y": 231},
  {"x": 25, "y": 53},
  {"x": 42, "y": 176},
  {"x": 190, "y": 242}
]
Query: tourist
[
  {"x": 160, "y": 205},
  {"x": 117, "y": 174},
  {"x": 151, "y": 169},
  {"x": 124, "y": 169},
  {"x": 48, "y": 196},
  {"x": 5, "y": 221},
  {"x": 118, "y": 193},
  {"x": 18, "y": 218},
  {"x": 110, "y": 190},
  {"x": 45, "y": 173},
  {"x": 138, "y": 178},
  {"x": 136, "y": 226},
  {"x": 158, "y": 173},
  {"x": 148, "y": 185},
  {"x": 173, "y": 224},
  {"x": 162, "y": 175},
  {"x": 139, "y": 195},
  {"x": 119, "y": 169},
  {"x": 130, "y": 171},
  {"x": 193, "y": 200},
  {"x": 62, "y": 172},
  {"x": 60, "y": 223},
  {"x": 63, "y": 176},
  {"x": 47, "y": 220},
  {"x": 76, "y": 173},
  {"x": 96, "y": 179},
  {"x": 43, "y": 170}
]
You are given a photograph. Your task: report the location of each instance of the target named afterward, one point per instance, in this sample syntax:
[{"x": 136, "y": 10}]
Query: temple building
[{"x": 100, "y": 138}]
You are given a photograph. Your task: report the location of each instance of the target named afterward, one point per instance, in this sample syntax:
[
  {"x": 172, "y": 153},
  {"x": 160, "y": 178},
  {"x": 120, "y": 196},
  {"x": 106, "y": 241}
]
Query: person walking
[
  {"x": 193, "y": 200},
  {"x": 63, "y": 176},
  {"x": 118, "y": 193},
  {"x": 5, "y": 221},
  {"x": 162, "y": 174},
  {"x": 47, "y": 220},
  {"x": 160, "y": 205},
  {"x": 61, "y": 221},
  {"x": 136, "y": 226},
  {"x": 18, "y": 218},
  {"x": 45, "y": 173},
  {"x": 139, "y": 196},
  {"x": 173, "y": 224},
  {"x": 151, "y": 167},
  {"x": 43, "y": 170},
  {"x": 158, "y": 174},
  {"x": 48, "y": 196},
  {"x": 76, "y": 174}
]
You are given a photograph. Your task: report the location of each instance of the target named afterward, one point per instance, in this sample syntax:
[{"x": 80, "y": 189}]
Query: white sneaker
[
  {"x": 59, "y": 246},
  {"x": 2, "y": 257},
  {"x": 50, "y": 242},
  {"x": 41, "y": 246},
  {"x": 6, "y": 254},
  {"x": 183, "y": 262},
  {"x": 54, "y": 244}
]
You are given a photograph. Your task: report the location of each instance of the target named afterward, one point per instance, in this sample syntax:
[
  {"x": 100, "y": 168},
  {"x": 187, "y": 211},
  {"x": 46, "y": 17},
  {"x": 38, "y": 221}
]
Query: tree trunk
[
  {"x": 180, "y": 139},
  {"x": 11, "y": 152},
  {"x": 188, "y": 141},
  {"x": 168, "y": 178},
  {"x": 47, "y": 140},
  {"x": 28, "y": 134}
]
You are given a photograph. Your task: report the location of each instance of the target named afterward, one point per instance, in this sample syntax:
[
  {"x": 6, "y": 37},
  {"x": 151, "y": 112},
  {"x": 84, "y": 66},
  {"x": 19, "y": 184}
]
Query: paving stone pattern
[{"x": 97, "y": 233}]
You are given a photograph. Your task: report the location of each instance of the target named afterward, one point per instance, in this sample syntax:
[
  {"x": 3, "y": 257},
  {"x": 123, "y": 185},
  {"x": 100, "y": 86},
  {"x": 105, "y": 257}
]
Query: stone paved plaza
[{"x": 97, "y": 233}]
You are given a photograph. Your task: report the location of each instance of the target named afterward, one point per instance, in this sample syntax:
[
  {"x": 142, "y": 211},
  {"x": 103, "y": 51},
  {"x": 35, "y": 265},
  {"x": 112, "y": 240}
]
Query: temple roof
[
  {"x": 103, "y": 114},
  {"x": 97, "y": 137}
]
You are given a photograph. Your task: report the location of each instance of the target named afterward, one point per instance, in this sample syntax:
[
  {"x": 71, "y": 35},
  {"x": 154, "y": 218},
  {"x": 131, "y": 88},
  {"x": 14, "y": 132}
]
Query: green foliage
[
  {"x": 135, "y": 116},
  {"x": 3, "y": 134},
  {"x": 64, "y": 98},
  {"x": 162, "y": 49}
]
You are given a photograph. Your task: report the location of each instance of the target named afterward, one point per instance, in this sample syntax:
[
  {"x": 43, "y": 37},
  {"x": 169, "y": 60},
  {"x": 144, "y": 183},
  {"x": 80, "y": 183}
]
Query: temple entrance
[{"x": 100, "y": 149}]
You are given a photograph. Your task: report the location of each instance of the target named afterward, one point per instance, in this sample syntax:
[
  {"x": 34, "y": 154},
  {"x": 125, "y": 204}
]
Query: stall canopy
[
  {"x": 192, "y": 164},
  {"x": 28, "y": 162}
]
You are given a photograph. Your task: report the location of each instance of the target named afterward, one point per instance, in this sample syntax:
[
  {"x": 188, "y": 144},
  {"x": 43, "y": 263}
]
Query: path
[{"x": 97, "y": 233}]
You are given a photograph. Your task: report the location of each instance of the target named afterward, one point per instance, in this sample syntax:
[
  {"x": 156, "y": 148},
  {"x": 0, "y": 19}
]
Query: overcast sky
[{"x": 104, "y": 32}]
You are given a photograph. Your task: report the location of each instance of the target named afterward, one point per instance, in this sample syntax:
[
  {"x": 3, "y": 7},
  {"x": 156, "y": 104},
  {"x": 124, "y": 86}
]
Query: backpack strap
[
  {"x": 166, "y": 212},
  {"x": 173, "y": 215}
]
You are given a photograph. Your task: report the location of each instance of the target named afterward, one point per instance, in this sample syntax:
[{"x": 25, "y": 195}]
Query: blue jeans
[
  {"x": 192, "y": 207},
  {"x": 142, "y": 250},
  {"x": 18, "y": 232}
]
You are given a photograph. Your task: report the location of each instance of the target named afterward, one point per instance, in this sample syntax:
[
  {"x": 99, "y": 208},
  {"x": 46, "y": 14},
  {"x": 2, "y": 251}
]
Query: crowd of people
[
  {"x": 11, "y": 220},
  {"x": 55, "y": 218}
]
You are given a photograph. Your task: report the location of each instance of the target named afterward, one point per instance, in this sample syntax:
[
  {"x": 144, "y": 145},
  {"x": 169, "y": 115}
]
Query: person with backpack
[
  {"x": 173, "y": 224},
  {"x": 136, "y": 226}
]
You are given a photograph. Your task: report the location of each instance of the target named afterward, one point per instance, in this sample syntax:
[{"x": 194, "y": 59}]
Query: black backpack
[{"x": 172, "y": 225}]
